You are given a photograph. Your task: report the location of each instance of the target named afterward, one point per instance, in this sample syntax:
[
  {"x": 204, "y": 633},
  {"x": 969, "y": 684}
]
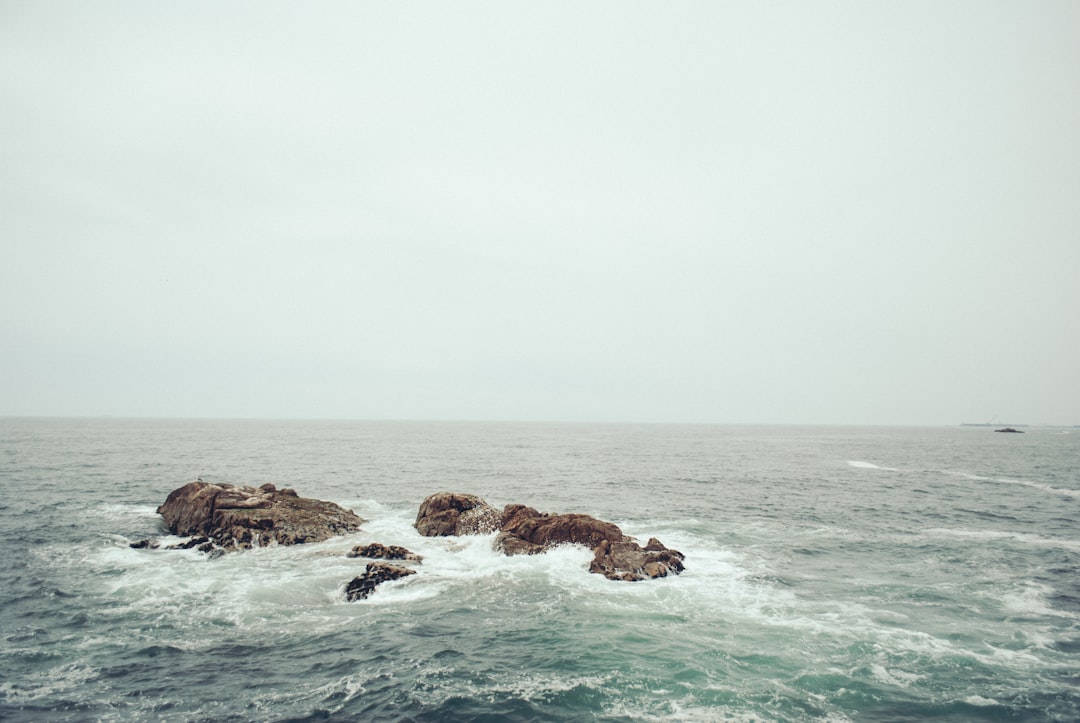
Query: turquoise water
[{"x": 832, "y": 574}]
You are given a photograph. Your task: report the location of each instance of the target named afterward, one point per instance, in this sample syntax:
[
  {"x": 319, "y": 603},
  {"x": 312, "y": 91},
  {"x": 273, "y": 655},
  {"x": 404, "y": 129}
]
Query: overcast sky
[{"x": 775, "y": 212}]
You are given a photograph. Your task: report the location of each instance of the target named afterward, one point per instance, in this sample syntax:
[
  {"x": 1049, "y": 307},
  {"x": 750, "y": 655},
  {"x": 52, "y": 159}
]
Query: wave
[
  {"x": 1075, "y": 494},
  {"x": 998, "y": 535}
]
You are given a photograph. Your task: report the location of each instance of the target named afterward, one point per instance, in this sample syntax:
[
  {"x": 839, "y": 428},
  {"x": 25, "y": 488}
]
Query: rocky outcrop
[
  {"x": 232, "y": 516},
  {"x": 450, "y": 513},
  {"x": 374, "y": 575},
  {"x": 525, "y": 531},
  {"x": 626, "y": 560},
  {"x": 378, "y": 551}
]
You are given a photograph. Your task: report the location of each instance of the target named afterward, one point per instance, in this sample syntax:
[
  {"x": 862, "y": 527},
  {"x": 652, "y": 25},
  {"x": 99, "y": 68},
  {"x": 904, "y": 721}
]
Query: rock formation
[
  {"x": 375, "y": 574},
  {"x": 220, "y": 517},
  {"x": 378, "y": 551},
  {"x": 525, "y": 531},
  {"x": 451, "y": 513},
  {"x": 626, "y": 560},
  {"x": 232, "y": 516}
]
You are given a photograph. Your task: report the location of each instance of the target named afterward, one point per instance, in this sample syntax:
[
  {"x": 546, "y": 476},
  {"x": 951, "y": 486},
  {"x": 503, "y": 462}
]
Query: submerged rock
[
  {"x": 233, "y": 516},
  {"x": 525, "y": 531},
  {"x": 374, "y": 575},
  {"x": 384, "y": 552}
]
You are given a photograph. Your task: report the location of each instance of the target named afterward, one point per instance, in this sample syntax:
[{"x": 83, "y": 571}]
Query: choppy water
[{"x": 832, "y": 574}]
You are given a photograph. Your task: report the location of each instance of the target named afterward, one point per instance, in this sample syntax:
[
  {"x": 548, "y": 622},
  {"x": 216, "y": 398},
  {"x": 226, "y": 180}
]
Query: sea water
[{"x": 836, "y": 574}]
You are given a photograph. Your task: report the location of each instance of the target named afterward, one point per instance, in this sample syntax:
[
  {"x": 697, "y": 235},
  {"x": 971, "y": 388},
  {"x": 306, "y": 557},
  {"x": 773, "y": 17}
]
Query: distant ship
[{"x": 1009, "y": 429}]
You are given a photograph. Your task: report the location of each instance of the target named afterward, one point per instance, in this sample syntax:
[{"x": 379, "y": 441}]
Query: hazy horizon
[
  {"x": 735, "y": 213},
  {"x": 597, "y": 423}
]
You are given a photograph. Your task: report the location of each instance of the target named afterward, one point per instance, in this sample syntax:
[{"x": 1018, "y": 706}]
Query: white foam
[
  {"x": 269, "y": 591},
  {"x": 978, "y": 700},
  {"x": 869, "y": 465},
  {"x": 1030, "y": 600}
]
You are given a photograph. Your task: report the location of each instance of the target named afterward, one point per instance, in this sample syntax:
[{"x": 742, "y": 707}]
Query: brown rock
[
  {"x": 374, "y": 575},
  {"x": 626, "y": 560},
  {"x": 450, "y": 513},
  {"x": 235, "y": 516},
  {"x": 526, "y": 531}
]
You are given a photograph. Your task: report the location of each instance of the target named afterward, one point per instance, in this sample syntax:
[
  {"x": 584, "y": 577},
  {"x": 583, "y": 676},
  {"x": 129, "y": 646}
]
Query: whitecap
[
  {"x": 869, "y": 465},
  {"x": 997, "y": 535},
  {"x": 1030, "y": 600},
  {"x": 980, "y": 701}
]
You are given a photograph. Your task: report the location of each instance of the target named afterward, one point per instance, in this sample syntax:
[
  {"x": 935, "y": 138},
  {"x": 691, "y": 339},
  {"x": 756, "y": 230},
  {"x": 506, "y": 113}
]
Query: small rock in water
[{"x": 375, "y": 574}]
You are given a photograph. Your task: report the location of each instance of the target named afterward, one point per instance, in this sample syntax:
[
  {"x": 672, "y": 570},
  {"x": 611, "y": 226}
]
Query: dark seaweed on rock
[{"x": 374, "y": 575}]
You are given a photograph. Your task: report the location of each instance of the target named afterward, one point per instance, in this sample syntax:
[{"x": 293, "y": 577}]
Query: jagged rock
[
  {"x": 233, "y": 516},
  {"x": 375, "y": 574},
  {"x": 525, "y": 531},
  {"x": 384, "y": 552},
  {"x": 449, "y": 513},
  {"x": 147, "y": 544},
  {"x": 626, "y": 560}
]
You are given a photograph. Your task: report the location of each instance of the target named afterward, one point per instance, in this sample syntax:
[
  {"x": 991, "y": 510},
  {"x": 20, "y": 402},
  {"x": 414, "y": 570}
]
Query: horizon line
[{"x": 466, "y": 420}]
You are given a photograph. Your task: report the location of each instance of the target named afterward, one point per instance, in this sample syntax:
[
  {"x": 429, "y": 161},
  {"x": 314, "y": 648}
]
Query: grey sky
[{"x": 778, "y": 212}]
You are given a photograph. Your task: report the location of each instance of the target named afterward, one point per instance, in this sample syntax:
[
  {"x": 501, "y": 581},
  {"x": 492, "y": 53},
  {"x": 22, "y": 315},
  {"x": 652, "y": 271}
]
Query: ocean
[{"x": 832, "y": 574}]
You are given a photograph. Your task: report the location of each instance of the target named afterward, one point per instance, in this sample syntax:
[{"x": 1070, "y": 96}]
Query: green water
[{"x": 832, "y": 574}]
